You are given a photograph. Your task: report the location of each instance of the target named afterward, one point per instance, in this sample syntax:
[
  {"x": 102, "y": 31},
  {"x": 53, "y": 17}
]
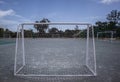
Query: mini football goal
[
  {"x": 39, "y": 53},
  {"x": 107, "y": 35}
]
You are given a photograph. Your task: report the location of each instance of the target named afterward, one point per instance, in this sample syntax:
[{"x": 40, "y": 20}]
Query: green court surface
[{"x": 4, "y": 42}]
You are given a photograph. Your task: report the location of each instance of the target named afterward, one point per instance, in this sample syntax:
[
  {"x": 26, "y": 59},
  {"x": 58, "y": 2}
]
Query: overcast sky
[{"x": 13, "y": 12}]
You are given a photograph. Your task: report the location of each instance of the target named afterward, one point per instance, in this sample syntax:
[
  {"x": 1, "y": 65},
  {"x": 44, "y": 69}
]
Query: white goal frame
[
  {"x": 104, "y": 32},
  {"x": 94, "y": 73}
]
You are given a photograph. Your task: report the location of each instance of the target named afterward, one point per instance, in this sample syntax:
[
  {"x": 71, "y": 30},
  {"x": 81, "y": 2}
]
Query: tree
[
  {"x": 1, "y": 32},
  {"x": 69, "y": 33},
  {"x": 7, "y": 33},
  {"x": 28, "y": 33},
  {"x": 77, "y": 29},
  {"x": 114, "y": 16},
  {"x": 99, "y": 24},
  {"x": 53, "y": 30},
  {"x": 41, "y": 28},
  {"x": 102, "y": 26}
]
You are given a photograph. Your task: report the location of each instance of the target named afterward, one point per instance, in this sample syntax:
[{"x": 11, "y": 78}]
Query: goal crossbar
[{"x": 59, "y": 23}]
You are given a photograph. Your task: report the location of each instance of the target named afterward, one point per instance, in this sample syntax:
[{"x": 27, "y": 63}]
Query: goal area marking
[{"x": 88, "y": 64}]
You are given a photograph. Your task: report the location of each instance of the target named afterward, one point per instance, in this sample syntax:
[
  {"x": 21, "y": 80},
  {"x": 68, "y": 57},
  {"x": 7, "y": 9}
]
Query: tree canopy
[
  {"x": 114, "y": 16},
  {"x": 41, "y": 28}
]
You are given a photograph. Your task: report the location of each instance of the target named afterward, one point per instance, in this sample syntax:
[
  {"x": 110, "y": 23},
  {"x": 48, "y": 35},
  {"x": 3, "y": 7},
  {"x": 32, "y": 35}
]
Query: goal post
[
  {"x": 48, "y": 56},
  {"x": 111, "y": 34}
]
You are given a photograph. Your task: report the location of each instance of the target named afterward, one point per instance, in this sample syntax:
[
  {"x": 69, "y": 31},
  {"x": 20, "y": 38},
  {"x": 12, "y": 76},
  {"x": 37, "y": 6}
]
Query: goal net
[
  {"x": 55, "y": 49},
  {"x": 106, "y": 35}
]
